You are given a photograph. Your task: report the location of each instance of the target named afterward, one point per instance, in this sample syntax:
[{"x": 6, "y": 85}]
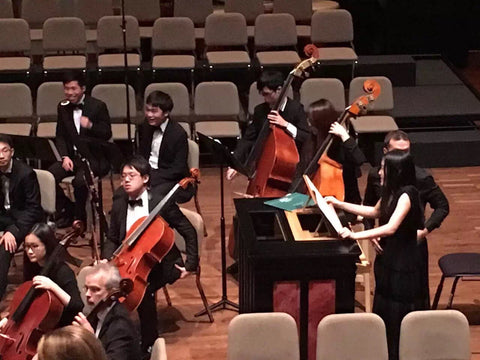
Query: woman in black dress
[
  {"x": 344, "y": 150},
  {"x": 398, "y": 268}
]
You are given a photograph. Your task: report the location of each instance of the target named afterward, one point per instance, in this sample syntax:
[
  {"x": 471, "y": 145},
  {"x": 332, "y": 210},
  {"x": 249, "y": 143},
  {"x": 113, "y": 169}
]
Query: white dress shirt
[
  {"x": 136, "y": 212},
  {"x": 156, "y": 143},
  {"x": 101, "y": 318},
  {"x": 6, "y": 186}
]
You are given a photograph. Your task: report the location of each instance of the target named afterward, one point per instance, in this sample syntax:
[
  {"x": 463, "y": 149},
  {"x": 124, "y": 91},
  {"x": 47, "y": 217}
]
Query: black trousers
[{"x": 5, "y": 256}]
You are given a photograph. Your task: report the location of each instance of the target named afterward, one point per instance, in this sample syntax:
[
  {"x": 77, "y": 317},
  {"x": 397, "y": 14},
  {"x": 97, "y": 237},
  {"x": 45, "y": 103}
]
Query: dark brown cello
[
  {"x": 279, "y": 156},
  {"x": 326, "y": 173},
  {"x": 34, "y": 311},
  {"x": 148, "y": 240}
]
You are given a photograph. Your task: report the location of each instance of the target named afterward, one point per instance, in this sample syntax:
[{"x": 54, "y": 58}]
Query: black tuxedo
[
  {"x": 67, "y": 137},
  {"x": 172, "y": 158},
  {"x": 164, "y": 272},
  {"x": 293, "y": 113},
  {"x": 25, "y": 210},
  {"x": 118, "y": 335}
]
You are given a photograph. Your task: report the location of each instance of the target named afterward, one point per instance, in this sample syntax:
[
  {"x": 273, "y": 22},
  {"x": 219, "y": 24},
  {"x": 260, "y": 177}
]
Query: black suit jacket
[
  {"x": 67, "y": 136},
  {"x": 429, "y": 193},
  {"x": 25, "y": 206},
  {"x": 118, "y": 335},
  {"x": 293, "y": 113},
  {"x": 173, "y": 216},
  {"x": 172, "y": 155}
]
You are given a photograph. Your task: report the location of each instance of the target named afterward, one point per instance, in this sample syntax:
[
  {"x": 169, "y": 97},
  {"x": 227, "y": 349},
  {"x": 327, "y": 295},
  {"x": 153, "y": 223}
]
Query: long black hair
[
  {"x": 321, "y": 115},
  {"x": 398, "y": 171},
  {"x": 47, "y": 236}
]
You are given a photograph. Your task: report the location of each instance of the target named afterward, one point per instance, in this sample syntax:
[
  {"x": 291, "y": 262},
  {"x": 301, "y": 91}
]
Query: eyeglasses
[
  {"x": 5, "y": 150},
  {"x": 33, "y": 247},
  {"x": 266, "y": 92},
  {"x": 130, "y": 176}
]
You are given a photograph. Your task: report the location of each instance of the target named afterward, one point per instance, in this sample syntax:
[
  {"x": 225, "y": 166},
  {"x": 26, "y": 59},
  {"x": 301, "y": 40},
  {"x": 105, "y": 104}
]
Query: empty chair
[
  {"x": 64, "y": 44},
  {"x": 226, "y": 40},
  {"x": 325, "y": 5},
  {"x": 37, "y": 12},
  {"x": 263, "y": 336},
  {"x": 217, "y": 108},
  {"x": 197, "y": 221},
  {"x": 46, "y": 181},
  {"x": 301, "y": 11},
  {"x": 316, "y": 89},
  {"x": 16, "y": 103},
  {"x": 6, "y": 9},
  {"x": 110, "y": 42},
  {"x": 352, "y": 336},
  {"x": 332, "y": 30},
  {"x": 250, "y": 9},
  {"x": 49, "y": 94},
  {"x": 254, "y": 97},
  {"x": 276, "y": 40},
  {"x": 16, "y": 129},
  {"x": 14, "y": 45},
  {"x": 90, "y": 11},
  {"x": 146, "y": 12},
  {"x": 435, "y": 335},
  {"x": 196, "y": 10}
]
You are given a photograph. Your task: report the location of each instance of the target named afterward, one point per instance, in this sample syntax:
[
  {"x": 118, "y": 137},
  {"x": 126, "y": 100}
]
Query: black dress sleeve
[{"x": 64, "y": 277}]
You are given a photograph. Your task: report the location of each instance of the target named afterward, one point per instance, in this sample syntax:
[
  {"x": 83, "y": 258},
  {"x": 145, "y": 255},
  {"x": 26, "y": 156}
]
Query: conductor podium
[{"x": 308, "y": 279}]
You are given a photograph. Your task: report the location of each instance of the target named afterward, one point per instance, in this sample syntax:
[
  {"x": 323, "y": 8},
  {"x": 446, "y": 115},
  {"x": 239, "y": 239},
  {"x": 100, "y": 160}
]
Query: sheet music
[{"x": 326, "y": 209}]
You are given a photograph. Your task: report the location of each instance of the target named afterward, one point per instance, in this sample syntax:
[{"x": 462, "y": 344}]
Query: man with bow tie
[
  {"x": 163, "y": 142},
  {"x": 79, "y": 116},
  {"x": 133, "y": 201},
  {"x": 20, "y": 206}
]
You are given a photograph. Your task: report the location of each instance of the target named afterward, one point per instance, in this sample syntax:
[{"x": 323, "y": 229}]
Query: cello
[
  {"x": 326, "y": 173},
  {"x": 278, "y": 158},
  {"x": 34, "y": 311},
  {"x": 146, "y": 243}
]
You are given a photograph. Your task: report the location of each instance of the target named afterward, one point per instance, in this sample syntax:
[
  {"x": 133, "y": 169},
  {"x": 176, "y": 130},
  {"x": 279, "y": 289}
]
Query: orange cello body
[
  {"x": 276, "y": 165},
  {"x": 329, "y": 178},
  {"x": 135, "y": 262},
  {"x": 18, "y": 340}
]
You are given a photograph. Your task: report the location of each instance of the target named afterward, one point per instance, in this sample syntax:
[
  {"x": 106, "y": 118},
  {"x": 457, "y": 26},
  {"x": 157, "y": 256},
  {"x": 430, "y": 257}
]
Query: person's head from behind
[
  {"x": 6, "y": 151},
  {"x": 396, "y": 140},
  {"x": 39, "y": 244},
  {"x": 321, "y": 115},
  {"x": 135, "y": 175},
  {"x": 100, "y": 281},
  {"x": 158, "y": 106},
  {"x": 397, "y": 170},
  {"x": 269, "y": 86},
  {"x": 70, "y": 343},
  {"x": 74, "y": 86}
]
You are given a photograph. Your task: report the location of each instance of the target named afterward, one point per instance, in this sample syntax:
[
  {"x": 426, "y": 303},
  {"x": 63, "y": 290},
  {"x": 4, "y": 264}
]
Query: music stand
[
  {"x": 223, "y": 157},
  {"x": 37, "y": 148}
]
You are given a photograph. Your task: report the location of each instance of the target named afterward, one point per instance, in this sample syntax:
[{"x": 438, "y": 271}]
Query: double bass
[
  {"x": 148, "y": 240},
  {"x": 278, "y": 158},
  {"x": 34, "y": 311}
]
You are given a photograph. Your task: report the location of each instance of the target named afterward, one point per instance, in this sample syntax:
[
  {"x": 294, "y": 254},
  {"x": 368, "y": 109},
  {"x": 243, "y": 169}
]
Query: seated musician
[
  {"x": 20, "y": 206},
  {"x": 135, "y": 202},
  {"x": 291, "y": 116},
  {"x": 163, "y": 142},
  {"x": 344, "y": 150},
  {"x": 39, "y": 245},
  {"x": 79, "y": 116},
  {"x": 112, "y": 325}
]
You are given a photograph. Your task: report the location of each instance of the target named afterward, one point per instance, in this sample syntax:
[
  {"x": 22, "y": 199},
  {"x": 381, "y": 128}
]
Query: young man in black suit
[
  {"x": 79, "y": 116},
  {"x": 163, "y": 142},
  {"x": 111, "y": 325},
  {"x": 134, "y": 202},
  {"x": 430, "y": 193},
  {"x": 291, "y": 117},
  {"x": 20, "y": 206}
]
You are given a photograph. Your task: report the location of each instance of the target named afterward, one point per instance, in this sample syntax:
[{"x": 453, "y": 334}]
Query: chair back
[
  {"x": 226, "y": 29},
  {"x": 47, "y": 190},
  {"x": 159, "y": 351},
  {"x": 263, "y": 336},
  {"x": 49, "y": 94},
  {"x": 219, "y": 98},
  {"x": 352, "y": 336},
  {"x": 14, "y": 35},
  {"x": 197, "y": 10},
  {"x": 197, "y": 222},
  {"x": 114, "y": 96},
  {"x": 329, "y": 89},
  {"x": 143, "y": 10},
  {"x": 435, "y": 335},
  {"x": 64, "y": 34},
  {"x": 275, "y": 30},
  {"x": 250, "y": 9},
  {"x": 384, "y": 102},
  {"x": 15, "y": 102},
  {"x": 6, "y": 9},
  {"x": 90, "y": 11},
  {"x": 110, "y": 34},
  {"x": 300, "y": 9},
  {"x": 170, "y": 34},
  {"x": 331, "y": 26},
  {"x": 37, "y": 12}
]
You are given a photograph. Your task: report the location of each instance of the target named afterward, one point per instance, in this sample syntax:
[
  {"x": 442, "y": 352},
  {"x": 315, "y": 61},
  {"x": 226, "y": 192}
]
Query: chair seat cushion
[
  {"x": 116, "y": 60},
  {"x": 336, "y": 53},
  {"x": 14, "y": 63},
  {"x": 65, "y": 62},
  {"x": 303, "y": 31},
  {"x": 173, "y": 61},
  {"x": 458, "y": 264},
  {"x": 228, "y": 57},
  {"x": 218, "y": 128},
  {"x": 278, "y": 57},
  {"x": 373, "y": 124},
  {"x": 47, "y": 129}
]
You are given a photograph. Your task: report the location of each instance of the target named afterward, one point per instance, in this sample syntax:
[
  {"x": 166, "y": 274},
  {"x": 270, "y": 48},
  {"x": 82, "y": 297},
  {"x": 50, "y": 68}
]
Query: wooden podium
[{"x": 307, "y": 279}]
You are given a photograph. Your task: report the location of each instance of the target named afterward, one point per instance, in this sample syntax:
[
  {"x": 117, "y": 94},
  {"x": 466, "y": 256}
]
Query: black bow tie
[
  {"x": 78, "y": 106},
  {"x": 7, "y": 175},
  {"x": 134, "y": 203}
]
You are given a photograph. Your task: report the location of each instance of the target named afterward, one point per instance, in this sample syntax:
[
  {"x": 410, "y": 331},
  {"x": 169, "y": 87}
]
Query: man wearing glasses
[
  {"x": 291, "y": 116},
  {"x": 20, "y": 206}
]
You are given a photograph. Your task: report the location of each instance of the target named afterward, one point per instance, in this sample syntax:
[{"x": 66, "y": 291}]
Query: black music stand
[
  {"x": 35, "y": 148},
  {"x": 223, "y": 157}
]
